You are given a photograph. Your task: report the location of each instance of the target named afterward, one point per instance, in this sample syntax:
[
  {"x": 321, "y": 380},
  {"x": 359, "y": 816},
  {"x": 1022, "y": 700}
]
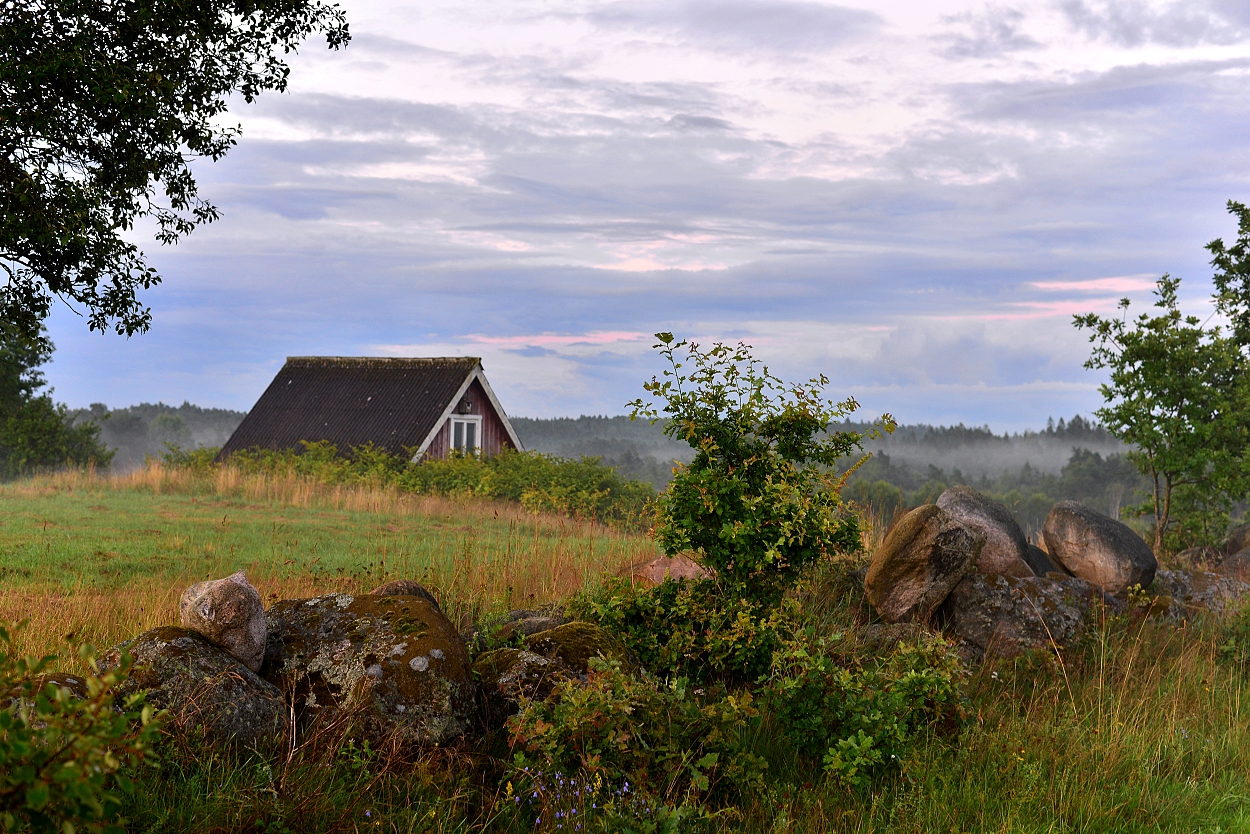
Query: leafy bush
[
  {"x": 64, "y": 761},
  {"x": 760, "y": 501},
  {"x": 672, "y": 740},
  {"x": 689, "y": 629},
  {"x": 861, "y": 718}
]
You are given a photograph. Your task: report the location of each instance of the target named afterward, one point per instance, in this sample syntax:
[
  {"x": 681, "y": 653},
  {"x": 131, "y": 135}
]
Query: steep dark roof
[{"x": 350, "y": 401}]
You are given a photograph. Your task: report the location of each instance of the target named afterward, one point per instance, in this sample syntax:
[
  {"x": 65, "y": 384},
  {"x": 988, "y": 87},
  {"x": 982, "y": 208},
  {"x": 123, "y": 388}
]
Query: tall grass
[{"x": 476, "y": 555}]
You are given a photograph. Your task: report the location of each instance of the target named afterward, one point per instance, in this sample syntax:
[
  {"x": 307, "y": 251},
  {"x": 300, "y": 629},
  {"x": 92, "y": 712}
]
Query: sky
[{"x": 912, "y": 198}]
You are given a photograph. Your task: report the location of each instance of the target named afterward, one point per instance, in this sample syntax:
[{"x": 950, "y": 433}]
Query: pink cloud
[
  {"x": 594, "y": 338},
  {"x": 1123, "y": 283}
]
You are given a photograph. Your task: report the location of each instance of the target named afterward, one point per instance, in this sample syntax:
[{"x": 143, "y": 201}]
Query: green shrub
[
  {"x": 861, "y": 719},
  {"x": 64, "y": 762},
  {"x": 672, "y": 740},
  {"x": 582, "y": 488},
  {"x": 689, "y": 629},
  {"x": 760, "y": 500}
]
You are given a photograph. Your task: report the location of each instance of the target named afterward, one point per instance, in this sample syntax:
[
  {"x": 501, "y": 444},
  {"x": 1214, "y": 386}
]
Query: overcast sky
[{"x": 910, "y": 197}]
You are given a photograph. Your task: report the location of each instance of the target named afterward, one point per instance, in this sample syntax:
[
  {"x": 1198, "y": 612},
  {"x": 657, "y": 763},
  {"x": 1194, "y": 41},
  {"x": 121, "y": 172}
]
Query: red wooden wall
[{"x": 494, "y": 436}]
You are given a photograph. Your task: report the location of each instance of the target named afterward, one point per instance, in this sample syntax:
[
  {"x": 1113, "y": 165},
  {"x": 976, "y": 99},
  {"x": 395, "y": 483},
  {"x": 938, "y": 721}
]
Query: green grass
[{"x": 1145, "y": 727}]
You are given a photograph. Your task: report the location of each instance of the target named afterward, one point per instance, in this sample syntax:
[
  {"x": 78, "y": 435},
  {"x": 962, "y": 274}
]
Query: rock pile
[{"x": 963, "y": 564}]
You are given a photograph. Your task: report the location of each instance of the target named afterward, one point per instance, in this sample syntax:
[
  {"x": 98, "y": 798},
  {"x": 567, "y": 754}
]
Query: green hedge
[{"x": 581, "y": 488}]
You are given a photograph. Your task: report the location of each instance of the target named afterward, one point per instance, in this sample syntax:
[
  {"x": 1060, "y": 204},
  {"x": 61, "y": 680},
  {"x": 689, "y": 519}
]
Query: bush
[
  {"x": 861, "y": 719},
  {"x": 582, "y": 488},
  {"x": 760, "y": 500},
  {"x": 672, "y": 740},
  {"x": 688, "y": 629},
  {"x": 64, "y": 761}
]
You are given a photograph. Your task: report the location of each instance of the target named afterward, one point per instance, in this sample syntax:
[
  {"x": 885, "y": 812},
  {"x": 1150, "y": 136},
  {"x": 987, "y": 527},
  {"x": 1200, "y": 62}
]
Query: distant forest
[{"x": 1028, "y": 471}]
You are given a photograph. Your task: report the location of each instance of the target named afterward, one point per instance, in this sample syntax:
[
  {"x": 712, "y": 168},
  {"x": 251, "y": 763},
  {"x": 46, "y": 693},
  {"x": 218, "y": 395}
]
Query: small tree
[
  {"x": 1179, "y": 392},
  {"x": 36, "y": 432},
  {"x": 760, "y": 501}
]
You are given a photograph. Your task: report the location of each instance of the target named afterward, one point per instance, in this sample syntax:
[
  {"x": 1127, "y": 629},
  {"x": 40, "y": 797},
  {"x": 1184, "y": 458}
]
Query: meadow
[{"x": 1143, "y": 727}]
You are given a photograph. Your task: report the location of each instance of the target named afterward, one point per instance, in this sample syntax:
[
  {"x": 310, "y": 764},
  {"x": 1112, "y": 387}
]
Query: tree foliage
[
  {"x": 760, "y": 500},
  {"x": 1179, "y": 391},
  {"x": 103, "y": 106},
  {"x": 35, "y": 432}
]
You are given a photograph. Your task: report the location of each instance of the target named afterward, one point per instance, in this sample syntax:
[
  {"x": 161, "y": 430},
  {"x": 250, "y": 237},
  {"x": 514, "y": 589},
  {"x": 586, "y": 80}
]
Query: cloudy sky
[{"x": 911, "y": 197}]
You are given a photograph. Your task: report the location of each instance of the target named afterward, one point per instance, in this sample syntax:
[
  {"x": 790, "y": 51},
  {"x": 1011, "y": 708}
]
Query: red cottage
[{"x": 427, "y": 405}]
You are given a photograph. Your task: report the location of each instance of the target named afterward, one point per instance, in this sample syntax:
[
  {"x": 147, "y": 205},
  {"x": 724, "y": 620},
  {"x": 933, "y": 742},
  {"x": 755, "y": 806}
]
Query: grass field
[
  {"x": 1144, "y": 727},
  {"x": 107, "y": 558}
]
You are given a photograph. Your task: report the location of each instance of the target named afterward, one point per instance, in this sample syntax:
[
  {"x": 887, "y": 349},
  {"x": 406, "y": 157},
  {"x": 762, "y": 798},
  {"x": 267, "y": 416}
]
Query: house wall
[{"x": 494, "y": 435}]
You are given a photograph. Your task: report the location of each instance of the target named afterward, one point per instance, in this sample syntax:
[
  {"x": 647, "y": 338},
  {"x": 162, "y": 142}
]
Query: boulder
[
  {"x": 228, "y": 612},
  {"x": 1041, "y": 563},
  {"x": 1003, "y": 616},
  {"x": 925, "y": 555},
  {"x": 1236, "y": 565},
  {"x": 203, "y": 687},
  {"x": 1006, "y": 548},
  {"x": 508, "y": 676},
  {"x": 1238, "y": 539},
  {"x": 1198, "y": 591},
  {"x": 679, "y": 567},
  {"x": 394, "y": 663},
  {"x": 524, "y": 622},
  {"x": 1098, "y": 549},
  {"x": 575, "y": 644},
  {"x": 405, "y": 588}
]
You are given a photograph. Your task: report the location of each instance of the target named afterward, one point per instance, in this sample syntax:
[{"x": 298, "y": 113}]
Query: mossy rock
[
  {"x": 205, "y": 689},
  {"x": 575, "y": 644},
  {"x": 394, "y": 662}
]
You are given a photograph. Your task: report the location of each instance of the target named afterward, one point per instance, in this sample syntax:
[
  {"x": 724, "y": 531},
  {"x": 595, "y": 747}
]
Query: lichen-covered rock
[
  {"x": 1196, "y": 591},
  {"x": 228, "y": 612},
  {"x": 203, "y": 687},
  {"x": 679, "y": 567},
  {"x": 575, "y": 644},
  {"x": 394, "y": 662},
  {"x": 405, "y": 588},
  {"x": 1003, "y": 616},
  {"x": 524, "y": 622},
  {"x": 1006, "y": 548},
  {"x": 1098, "y": 549},
  {"x": 925, "y": 554},
  {"x": 508, "y": 675}
]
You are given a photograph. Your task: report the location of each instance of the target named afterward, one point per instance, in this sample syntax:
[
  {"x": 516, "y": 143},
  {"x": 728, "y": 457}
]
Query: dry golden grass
[{"x": 476, "y": 555}]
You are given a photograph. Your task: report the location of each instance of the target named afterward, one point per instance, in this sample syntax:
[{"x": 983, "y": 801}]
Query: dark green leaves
[{"x": 103, "y": 105}]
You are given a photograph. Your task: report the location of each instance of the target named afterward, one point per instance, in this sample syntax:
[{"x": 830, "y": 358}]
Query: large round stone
[
  {"x": 1003, "y": 616},
  {"x": 394, "y": 662},
  {"x": 1006, "y": 549},
  {"x": 229, "y": 612},
  {"x": 1098, "y": 549},
  {"x": 204, "y": 688},
  {"x": 925, "y": 555}
]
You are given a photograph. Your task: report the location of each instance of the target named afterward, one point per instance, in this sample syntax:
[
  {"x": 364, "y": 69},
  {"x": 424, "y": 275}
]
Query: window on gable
[{"x": 466, "y": 434}]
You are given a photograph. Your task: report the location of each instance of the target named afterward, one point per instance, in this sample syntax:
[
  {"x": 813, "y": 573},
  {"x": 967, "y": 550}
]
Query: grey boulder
[
  {"x": 204, "y": 688},
  {"x": 230, "y": 614},
  {"x": 924, "y": 555},
  {"x": 1003, "y": 616},
  {"x": 393, "y": 664},
  {"x": 1238, "y": 539},
  {"x": 1196, "y": 591},
  {"x": 405, "y": 588},
  {"x": 1098, "y": 549},
  {"x": 1006, "y": 548}
]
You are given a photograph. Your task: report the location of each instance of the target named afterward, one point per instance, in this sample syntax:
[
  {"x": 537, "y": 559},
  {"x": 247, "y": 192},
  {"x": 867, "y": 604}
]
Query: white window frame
[{"x": 476, "y": 420}]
